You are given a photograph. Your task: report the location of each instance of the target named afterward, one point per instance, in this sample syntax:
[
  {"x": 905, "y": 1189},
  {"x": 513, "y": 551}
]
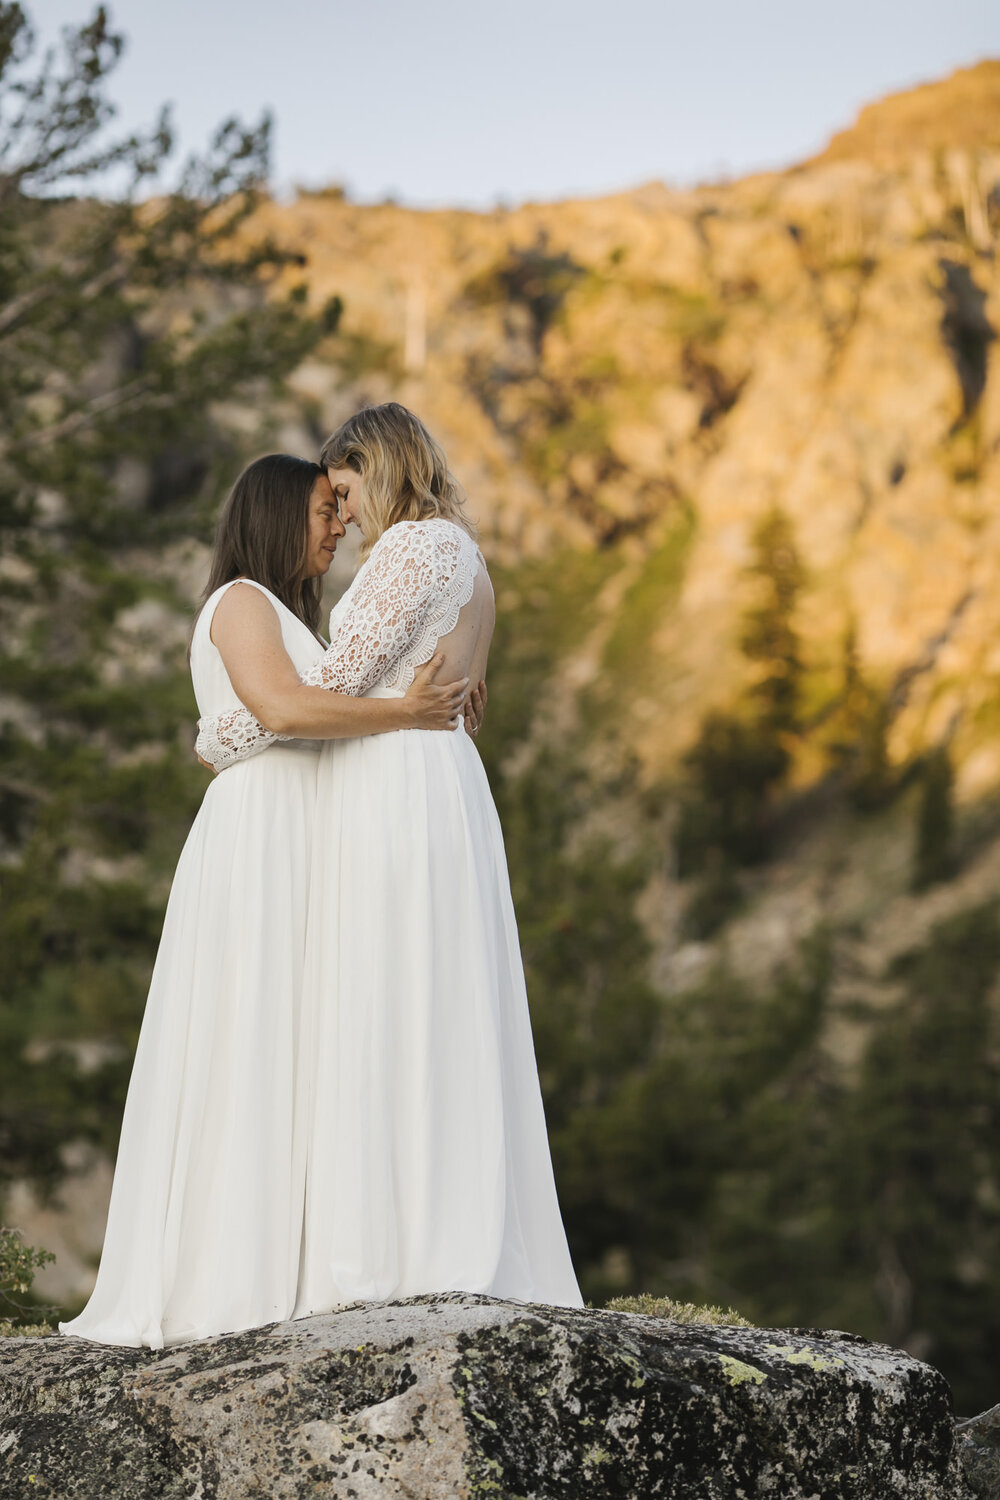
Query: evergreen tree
[
  {"x": 769, "y": 637},
  {"x": 933, "y": 858},
  {"x": 857, "y": 733},
  {"x": 129, "y": 327},
  {"x": 915, "y": 1166},
  {"x": 741, "y": 758}
]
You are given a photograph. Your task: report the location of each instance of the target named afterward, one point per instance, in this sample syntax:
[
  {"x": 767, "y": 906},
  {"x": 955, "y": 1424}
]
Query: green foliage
[
  {"x": 647, "y": 1169},
  {"x": 692, "y": 317},
  {"x": 358, "y": 354},
  {"x": 123, "y": 324},
  {"x": 18, "y": 1264},
  {"x": 576, "y": 427},
  {"x": 677, "y": 1312},
  {"x": 560, "y": 420},
  {"x": 769, "y": 638},
  {"x": 966, "y": 330},
  {"x": 919, "y": 1163},
  {"x": 734, "y": 767},
  {"x": 740, "y": 759},
  {"x": 648, "y": 600},
  {"x": 534, "y": 278},
  {"x": 870, "y": 1202},
  {"x": 855, "y": 736},
  {"x": 545, "y": 608},
  {"x": 594, "y": 1012},
  {"x": 708, "y": 1143},
  {"x": 933, "y": 858},
  {"x": 718, "y": 893}
]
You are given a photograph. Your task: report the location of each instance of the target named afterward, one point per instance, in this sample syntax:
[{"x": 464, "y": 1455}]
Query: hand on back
[{"x": 436, "y": 705}]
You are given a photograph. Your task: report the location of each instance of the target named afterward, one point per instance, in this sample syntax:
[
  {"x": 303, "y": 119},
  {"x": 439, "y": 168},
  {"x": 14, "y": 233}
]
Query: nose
[{"x": 337, "y": 526}]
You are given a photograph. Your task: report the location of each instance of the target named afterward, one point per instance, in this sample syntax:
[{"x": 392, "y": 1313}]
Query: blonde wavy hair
[{"x": 404, "y": 471}]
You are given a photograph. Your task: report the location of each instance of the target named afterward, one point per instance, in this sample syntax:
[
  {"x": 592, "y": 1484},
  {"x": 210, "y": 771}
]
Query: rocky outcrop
[
  {"x": 979, "y": 1453},
  {"x": 469, "y": 1396}
]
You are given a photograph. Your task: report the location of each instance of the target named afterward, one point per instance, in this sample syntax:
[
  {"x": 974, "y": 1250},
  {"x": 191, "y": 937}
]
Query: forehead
[
  {"x": 342, "y": 478},
  {"x": 322, "y": 491}
]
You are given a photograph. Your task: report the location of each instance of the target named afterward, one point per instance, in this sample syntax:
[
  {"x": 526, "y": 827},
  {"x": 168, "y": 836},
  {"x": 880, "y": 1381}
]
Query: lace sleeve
[
  {"x": 226, "y": 738},
  {"x": 387, "y": 607}
]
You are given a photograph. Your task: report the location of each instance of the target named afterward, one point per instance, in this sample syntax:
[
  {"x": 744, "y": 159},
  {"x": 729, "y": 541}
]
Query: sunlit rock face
[
  {"x": 821, "y": 339},
  {"x": 442, "y": 1397}
]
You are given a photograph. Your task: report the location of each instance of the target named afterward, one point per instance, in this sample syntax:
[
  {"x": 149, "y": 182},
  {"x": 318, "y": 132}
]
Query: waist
[
  {"x": 381, "y": 691},
  {"x": 296, "y": 747}
]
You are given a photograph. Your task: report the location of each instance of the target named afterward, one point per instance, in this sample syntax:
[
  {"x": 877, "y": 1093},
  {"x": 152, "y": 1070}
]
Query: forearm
[{"x": 316, "y": 713}]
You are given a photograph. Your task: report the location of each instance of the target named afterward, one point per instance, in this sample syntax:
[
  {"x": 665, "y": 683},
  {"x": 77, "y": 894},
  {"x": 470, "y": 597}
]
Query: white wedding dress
[
  {"x": 427, "y": 1159},
  {"x": 204, "y": 1228}
]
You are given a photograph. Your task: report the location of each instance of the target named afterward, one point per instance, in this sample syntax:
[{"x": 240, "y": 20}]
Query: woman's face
[
  {"x": 325, "y": 529},
  {"x": 346, "y": 485}
]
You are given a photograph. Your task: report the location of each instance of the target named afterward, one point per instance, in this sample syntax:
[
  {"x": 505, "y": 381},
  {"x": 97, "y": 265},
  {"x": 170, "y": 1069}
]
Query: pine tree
[
  {"x": 933, "y": 858},
  {"x": 129, "y": 327},
  {"x": 741, "y": 758},
  {"x": 857, "y": 735},
  {"x": 769, "y": 637}
]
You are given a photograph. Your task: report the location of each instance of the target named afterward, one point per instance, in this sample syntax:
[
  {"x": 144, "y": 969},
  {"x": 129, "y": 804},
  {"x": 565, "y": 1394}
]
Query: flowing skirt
[
  {"x": 428, "y": 1159},
  {"x": 205, "y": 1222}
]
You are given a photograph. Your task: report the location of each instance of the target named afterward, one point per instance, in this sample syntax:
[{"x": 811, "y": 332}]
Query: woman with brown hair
[
  {"x": 428, "y": 1164},
  {"x": 205, "y": 1223}
]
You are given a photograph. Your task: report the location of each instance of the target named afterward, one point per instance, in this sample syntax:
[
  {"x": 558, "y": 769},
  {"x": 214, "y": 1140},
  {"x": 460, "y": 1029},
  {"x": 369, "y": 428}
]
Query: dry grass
[{"x": 10, "y": 1330}]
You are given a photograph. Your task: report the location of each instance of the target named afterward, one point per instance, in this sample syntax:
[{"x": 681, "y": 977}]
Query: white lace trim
[{"x": 232, "y": 736}]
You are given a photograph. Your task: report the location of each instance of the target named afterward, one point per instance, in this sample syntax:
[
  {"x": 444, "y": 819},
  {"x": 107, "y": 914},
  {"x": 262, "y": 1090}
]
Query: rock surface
[
  {"x": 979, "y": 1453},
  {"x": 460, "y": 1396}
]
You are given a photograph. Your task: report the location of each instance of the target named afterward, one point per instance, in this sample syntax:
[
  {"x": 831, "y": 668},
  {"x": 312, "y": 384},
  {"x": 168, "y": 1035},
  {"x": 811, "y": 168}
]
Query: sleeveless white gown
[
  {"x": 204, "y": 1227},
  {"x": 428, "y": 1165}
]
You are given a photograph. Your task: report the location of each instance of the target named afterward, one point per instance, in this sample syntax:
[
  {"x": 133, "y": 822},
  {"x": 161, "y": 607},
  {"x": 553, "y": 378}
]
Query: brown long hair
[
  {"x": 263, "y": 533},
  {"x": 404, "y": 471}
]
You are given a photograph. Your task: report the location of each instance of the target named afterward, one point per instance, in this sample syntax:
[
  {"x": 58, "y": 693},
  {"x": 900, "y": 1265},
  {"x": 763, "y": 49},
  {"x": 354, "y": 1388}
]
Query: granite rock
[
  {"x": 466, "y": 1396},
  {"x": 979, "y": 1453}
]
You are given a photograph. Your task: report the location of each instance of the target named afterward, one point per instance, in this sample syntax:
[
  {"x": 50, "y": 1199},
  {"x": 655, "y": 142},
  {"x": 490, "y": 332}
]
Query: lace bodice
[{"x": 406, "y": 597}]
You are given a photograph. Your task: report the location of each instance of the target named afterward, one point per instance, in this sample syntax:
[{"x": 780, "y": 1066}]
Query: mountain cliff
[{"x": 650, "y": 374}]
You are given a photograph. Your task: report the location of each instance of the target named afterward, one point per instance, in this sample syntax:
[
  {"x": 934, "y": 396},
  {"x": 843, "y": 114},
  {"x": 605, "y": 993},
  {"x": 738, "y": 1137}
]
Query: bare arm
[{"x": 247, "y": 632}]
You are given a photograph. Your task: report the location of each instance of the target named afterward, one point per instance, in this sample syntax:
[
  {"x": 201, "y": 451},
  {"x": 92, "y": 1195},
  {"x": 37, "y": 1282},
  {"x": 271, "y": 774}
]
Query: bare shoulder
[{"x": 242, "y": 608}]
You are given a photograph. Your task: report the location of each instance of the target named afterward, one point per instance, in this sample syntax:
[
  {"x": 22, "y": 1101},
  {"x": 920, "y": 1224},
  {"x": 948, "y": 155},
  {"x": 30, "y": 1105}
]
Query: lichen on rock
[
  {"x": 979, "y": 1453},
  {"x": 434, "y": 1398}
]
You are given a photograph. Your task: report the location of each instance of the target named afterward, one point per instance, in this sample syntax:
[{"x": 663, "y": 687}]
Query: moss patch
[{"x": 677, "y": 1312}]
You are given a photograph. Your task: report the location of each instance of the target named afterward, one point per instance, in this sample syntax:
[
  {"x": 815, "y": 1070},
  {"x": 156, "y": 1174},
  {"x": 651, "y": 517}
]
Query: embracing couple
[{"x": 335, "y": 1095}]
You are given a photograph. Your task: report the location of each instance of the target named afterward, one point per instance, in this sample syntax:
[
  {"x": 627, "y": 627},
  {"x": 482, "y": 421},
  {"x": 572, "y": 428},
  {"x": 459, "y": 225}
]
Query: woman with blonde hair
[{"x": 428, "y": 1164}]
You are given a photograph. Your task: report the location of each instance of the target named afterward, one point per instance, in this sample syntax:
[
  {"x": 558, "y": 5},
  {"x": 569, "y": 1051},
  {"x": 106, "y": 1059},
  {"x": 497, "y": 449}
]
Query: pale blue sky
[{"x": 454, "y": 101}]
